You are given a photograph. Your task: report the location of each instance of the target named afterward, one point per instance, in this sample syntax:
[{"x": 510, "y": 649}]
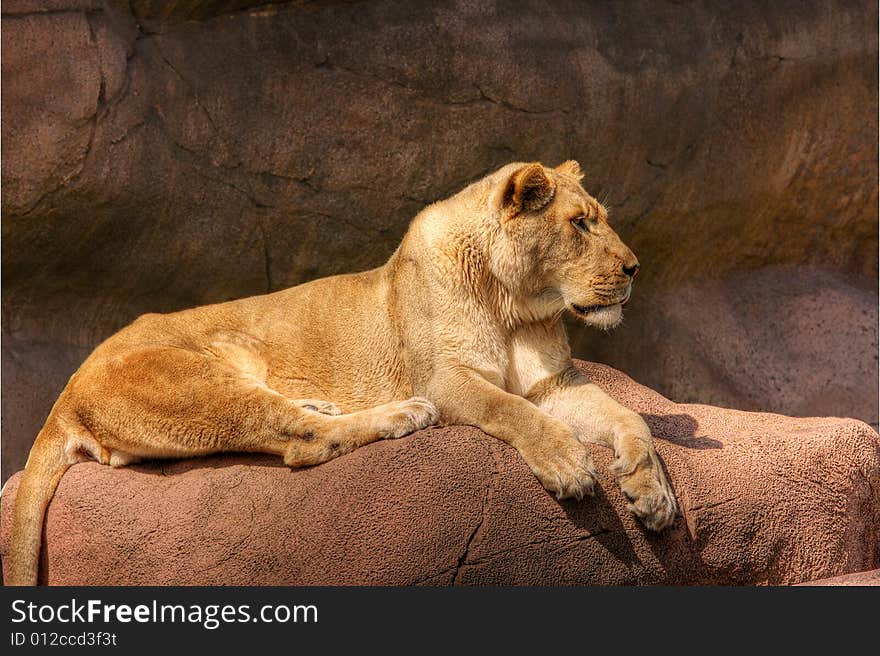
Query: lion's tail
[{"x": 45, "y": 466}]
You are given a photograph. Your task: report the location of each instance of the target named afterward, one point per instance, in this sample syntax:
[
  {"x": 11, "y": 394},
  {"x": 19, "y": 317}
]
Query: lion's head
[{"x": 555, "y": 243}]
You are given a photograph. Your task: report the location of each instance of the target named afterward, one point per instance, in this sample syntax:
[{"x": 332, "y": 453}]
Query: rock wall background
[{"x": 160, "y": 155}]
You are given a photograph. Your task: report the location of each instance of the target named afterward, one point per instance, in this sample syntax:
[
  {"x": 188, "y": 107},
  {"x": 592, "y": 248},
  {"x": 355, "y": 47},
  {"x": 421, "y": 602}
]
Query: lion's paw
[
  {"x": 411, "y": 415},
  {"x": 650, "y": 496},
  {"x": 315, "y": 405},
  {"x": 564, "y": 467}
]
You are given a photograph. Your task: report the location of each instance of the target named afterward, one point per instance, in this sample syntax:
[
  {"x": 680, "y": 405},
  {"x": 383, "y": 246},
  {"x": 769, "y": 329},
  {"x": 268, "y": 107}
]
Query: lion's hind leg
[{"x": 163, "y": 402}]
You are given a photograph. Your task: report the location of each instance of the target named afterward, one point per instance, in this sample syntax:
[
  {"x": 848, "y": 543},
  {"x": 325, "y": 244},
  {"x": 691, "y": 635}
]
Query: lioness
[{"x": 461, "y": 325}]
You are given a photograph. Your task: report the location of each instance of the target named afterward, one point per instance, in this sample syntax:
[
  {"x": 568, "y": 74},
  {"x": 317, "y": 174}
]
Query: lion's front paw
[
  {"x": 411, "y": 415},
  {"x": 563, "y": 466},
  {"x": 649, "y": 493}
]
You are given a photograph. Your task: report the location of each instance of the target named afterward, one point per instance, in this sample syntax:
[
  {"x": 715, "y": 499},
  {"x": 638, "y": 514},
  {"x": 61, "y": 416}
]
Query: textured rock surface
[
  {"x": 765, "y": 499},
  {"x": 163, "y": 155},
  {"x": 871, "y": 578}
]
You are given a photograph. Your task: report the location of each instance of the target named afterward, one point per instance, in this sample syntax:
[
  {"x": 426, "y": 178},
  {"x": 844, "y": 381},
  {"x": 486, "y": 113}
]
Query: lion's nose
[{"x": 631, "y": 271}]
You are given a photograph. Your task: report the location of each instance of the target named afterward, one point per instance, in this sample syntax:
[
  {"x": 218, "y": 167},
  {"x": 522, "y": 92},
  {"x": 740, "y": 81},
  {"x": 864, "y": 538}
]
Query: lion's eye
[{"x": 580, "y": 224}]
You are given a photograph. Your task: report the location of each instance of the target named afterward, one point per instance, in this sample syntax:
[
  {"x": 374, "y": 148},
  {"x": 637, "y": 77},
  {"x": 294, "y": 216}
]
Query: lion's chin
[{"x": 598, "y": 316}]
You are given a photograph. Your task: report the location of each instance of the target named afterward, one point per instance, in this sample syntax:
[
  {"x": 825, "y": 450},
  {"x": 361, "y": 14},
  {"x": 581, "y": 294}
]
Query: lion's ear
[
  {"x": 571, "y": 168},
  {"x": 528, "y": 189}
]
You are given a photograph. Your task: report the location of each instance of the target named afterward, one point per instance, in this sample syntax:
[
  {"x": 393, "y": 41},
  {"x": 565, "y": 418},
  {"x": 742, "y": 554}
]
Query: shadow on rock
[
  {"x": 171, "y": 467},
  {"x": 681, "y": 430},
  {"x": 596, "y": 516}
]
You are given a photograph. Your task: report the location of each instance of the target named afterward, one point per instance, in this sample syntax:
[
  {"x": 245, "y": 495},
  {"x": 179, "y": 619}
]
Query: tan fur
[{"x": 462, "y": 324}]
